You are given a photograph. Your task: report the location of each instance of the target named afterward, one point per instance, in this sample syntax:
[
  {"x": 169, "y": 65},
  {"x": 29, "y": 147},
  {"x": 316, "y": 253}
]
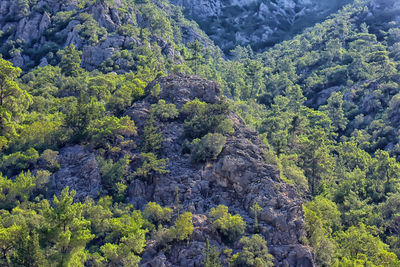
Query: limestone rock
[{"x": 78, "y": 170}]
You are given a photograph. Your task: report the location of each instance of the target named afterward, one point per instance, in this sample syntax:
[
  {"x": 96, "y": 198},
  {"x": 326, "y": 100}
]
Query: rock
[
  {"x": 257, "y": 23},
  {"x": 238, "y": 178},
  {"x": 78, "y": 170},
  {"x": 44, "y": 23},
  {"x": 40, "y": 29},
  {"x": 93, "y": 56},
  {"x": 179, "y": 89}
]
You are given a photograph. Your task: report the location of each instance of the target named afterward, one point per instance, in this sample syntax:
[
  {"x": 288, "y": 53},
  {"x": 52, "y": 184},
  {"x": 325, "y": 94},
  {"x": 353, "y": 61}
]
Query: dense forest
[{"x": 326, "y": 105}]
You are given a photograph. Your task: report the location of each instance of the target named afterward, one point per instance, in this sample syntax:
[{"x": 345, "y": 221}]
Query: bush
[
  {"x": 203, "y": 118},
  {"x": 114, "y": 176},
  {"x": 19, "y": 161},
  {"x": 208, "y": 147},
  {"x": 254, "y": 252},
  {"x": 157, "y": 214},
  {"x": 183, "y": 227},
  {"x": 110, "y": 129},
  {"x": 164, "y": 111},
  {"x": 231, "y": 227}
]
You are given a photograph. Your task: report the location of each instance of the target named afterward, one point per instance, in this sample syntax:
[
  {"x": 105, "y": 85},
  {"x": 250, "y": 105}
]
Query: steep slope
[
  {"x": 238, "y": 179},
  {"x": 109, "y": 34},
  {"x": 260, "y": 24}
]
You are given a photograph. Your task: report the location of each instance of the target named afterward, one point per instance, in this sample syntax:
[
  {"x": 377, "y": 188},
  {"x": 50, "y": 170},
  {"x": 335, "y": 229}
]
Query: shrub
[
  {"x": 19, "y": 161},
  {"x": 114, "y": 176},
  {"x": 164, "y": 111},
  {"x": 203, "y": 118},
  {"x": 152, "y": 138},
  {"x": 183, "y": 227},
  {"x": 231, "y": 227},
  {"x": 254, "y": 252},
  {"x": 208, "y": 147},
  {"x": 157, "y": 214},
  {"x": 48, "y": 160},
  {"x": 110, "y": 129},
  {"x": 151, "y": 165}
]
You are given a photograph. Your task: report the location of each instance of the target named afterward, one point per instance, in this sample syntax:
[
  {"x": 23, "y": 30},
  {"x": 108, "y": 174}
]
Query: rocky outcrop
[
  {"x": 78, "y": 170},
  {"x": 32, "y": 33},
  {"x": 256, "y": 22},
  {"x": 239, "y": 178}
]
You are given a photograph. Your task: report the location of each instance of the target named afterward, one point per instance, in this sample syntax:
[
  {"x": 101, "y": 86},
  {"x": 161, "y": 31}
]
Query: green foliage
[
  {"x": 164, "y": 111},
  {"x": 202, "y": 118},
  {"x": 151, "y": 166},
  {"x": 153, "y": 139},
  {"x": 13, "y": 101},
  {"x": 183, "y": 227},
  {"x": 115, "y": 176},
  {"x": 109, "y": 130},
  {"x": 70, "y": 231},
  {"x": 18, "y": 190},
  {"x": 157, "y": 214},
  {"x": 208, "y": 147},
  {"x": 19, "y": 161},
  {"x": 254, "y": 252},
  {"x": 231, "y": 227},
  {"x": 70, "y": 61},
  {"x": 211, "y": 256},
  {"x": 81, "y": 115},
  {"x": 358, "y": 244}
]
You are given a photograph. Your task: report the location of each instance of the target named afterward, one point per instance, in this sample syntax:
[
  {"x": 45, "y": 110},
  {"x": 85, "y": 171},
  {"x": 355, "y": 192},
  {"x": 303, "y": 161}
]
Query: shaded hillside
[{"x": 260, "y": 24}]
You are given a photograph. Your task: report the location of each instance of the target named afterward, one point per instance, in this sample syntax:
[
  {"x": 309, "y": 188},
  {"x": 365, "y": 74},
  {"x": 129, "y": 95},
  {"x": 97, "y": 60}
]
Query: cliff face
[
  {"x": 239, "y": 178},
  {"x": 255, "y": 22}
]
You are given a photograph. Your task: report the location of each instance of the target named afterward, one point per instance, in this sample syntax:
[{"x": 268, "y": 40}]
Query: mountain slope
[
  {"x": 260, "y": 24},
  {"x": 106, "y": 33}
]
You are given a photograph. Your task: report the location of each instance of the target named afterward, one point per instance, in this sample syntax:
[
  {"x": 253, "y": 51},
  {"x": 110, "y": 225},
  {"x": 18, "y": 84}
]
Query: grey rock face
[
  {"x": 258, "y": 23},
  {"x": 78, "y": 170},
  {"x": 238, "y": 179}
]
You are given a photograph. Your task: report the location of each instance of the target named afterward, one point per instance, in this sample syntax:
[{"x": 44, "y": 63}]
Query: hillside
[
  {"x": 128, "y": 139},
  {"x": 260, "y": 24}
]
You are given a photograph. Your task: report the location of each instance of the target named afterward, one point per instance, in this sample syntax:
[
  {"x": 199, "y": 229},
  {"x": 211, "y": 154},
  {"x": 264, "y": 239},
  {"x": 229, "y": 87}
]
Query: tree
[
  {"x": 70, "y": 231},
  {"x": 357, "y": 243},
  {"x": 8, "y": 239},
  {"x": 152, "y": 137},
  {"x": 183, "y": 227},
  {"x": 81, "y": 115},
  {"x": 70, "y": 63},
  {"x": 334, "y": 109},
  {"x": 115, "y": 176},
  {"x": 254, "y": 252},
  {"x": 211, "y": 256},
  {"x": 163, "y": 111},
  {"x": 157, "y": 214},
  {"x": 256, "y": 209},
  {"x": 109, "y": 129},
  {"x": 196, "y": 49},
  {"x": 319, "y": 238},
  {"x": 13, "y": 99},
  {"x": 28, "y": 252},
  {"x": 125, "y": 241},
  {"x": 151, "y": 165},
  {"x": 316, "y": 160}
]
